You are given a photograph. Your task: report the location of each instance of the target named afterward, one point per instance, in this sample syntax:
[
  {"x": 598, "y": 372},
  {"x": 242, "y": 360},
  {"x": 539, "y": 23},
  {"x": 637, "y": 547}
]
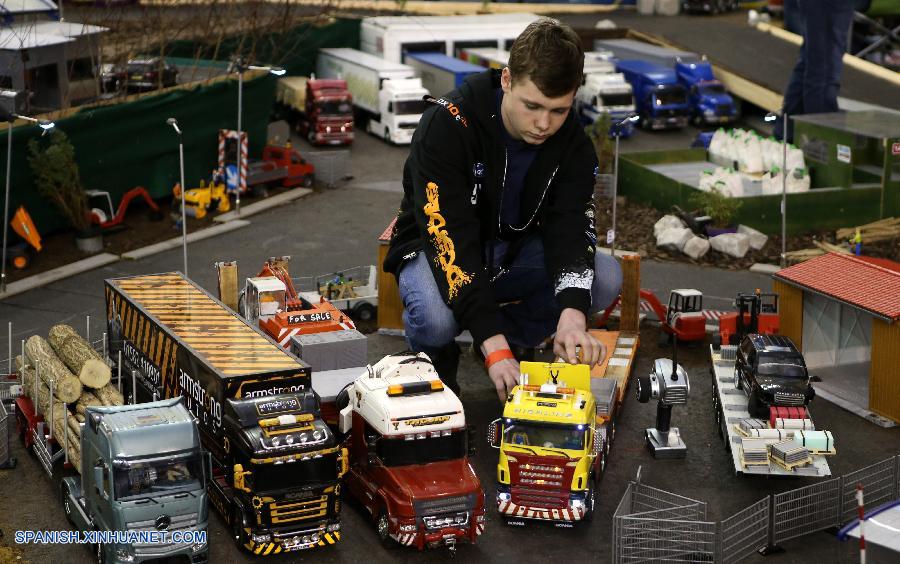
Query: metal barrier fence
[
  {"x": 6, "y": 459},
  {"x": 331, "y": 166},
  {"x": 652, "y": 525}
]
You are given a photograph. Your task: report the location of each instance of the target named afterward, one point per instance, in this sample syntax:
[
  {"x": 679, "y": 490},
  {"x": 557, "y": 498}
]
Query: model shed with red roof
[{"x": 843, "y": 311}]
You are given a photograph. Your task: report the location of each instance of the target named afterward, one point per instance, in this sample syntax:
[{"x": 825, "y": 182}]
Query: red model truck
[
  {"x": 409, "y": 462},
  {"x": 319, "y": 109}
]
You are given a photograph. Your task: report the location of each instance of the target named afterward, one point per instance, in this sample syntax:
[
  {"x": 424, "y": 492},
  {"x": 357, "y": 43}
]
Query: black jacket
[{"x": 452, "y": 191}]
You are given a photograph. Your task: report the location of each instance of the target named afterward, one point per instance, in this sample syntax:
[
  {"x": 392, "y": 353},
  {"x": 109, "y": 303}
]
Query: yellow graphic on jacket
[{"x": 456, "y": 277}]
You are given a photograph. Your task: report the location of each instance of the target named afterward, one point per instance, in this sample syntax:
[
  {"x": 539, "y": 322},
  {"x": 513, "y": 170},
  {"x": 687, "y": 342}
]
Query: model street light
[
  {"x": 10, "y": 117},
  {"x": 174, "y": 123},
  {"x": 240, "y": 67},
  {"x": 771, "y": 117},
  {"x": 617, "y": 129}
]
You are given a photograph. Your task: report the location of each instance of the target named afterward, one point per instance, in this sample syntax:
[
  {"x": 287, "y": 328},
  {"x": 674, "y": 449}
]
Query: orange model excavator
[{"x": 270, "y": 300}]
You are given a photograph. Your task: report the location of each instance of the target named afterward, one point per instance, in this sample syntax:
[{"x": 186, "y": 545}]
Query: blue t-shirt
[{"x": 519, "y": 156}]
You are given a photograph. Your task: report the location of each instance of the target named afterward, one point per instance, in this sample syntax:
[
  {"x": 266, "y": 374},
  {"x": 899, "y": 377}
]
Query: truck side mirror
[
  {"x": 99, "y": 482},
  {"x": 470, "y": 440},
  {"x": 493, "y": 433},
  {"x": 371, "y": 441}
]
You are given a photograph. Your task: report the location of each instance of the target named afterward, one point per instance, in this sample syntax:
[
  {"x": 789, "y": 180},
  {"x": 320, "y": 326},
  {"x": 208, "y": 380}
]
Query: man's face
[{"x": 528, "y": 115}]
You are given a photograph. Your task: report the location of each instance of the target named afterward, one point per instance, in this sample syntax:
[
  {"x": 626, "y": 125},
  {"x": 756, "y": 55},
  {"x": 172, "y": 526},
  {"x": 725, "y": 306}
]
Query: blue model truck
[
  {"x": 660, "y": 99},
  {"x": 440, "y": 73},
  {"x": 710, "y": 103}
]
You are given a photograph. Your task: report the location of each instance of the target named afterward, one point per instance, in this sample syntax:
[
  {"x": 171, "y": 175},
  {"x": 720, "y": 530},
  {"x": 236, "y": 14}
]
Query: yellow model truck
[{"x": 554, "y": 441}]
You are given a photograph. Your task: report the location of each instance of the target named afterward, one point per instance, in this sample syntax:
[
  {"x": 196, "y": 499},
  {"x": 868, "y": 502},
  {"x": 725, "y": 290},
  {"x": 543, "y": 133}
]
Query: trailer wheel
[
  {"x": 308, "y": 180},
  {"x": 364, "y": 311},
  {"x": 237, "y": 527},
  {"x": 387, "y": 136}
]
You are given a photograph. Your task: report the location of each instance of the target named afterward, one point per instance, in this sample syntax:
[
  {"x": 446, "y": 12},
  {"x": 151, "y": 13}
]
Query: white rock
[
  {"x": 732, "y": 244},
  {"x": 666, "y": 222},
  {"x": 757, "y": 238},
  {"x": 696, "y": 247},
  {"x": 673, "y": 239}
]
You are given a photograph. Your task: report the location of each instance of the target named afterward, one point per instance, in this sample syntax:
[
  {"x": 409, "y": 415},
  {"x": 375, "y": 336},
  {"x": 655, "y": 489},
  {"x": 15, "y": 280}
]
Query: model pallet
[{"x": 735, "y": 426}]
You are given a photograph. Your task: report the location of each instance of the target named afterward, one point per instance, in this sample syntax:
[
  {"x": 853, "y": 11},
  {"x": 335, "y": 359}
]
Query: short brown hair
[{"x": 550, "y": 54}]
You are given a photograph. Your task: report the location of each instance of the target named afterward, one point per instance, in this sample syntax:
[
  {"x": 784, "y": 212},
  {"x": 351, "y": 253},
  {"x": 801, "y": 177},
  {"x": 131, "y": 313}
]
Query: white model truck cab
[
  {"x": 401, "y": 103},
  {"x": 604, "y": 93}
]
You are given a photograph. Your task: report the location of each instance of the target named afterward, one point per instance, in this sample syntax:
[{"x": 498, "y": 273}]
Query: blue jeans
[
  {"x": 816, "y": 78},
  {"x": 528, "y": 306}
]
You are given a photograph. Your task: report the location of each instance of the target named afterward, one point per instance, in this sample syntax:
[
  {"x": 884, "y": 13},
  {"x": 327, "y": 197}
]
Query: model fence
[
  {"x": 331, "y": 166},
  {"x": 652, "y": 525},
  {"x": 6, "y": 460}
]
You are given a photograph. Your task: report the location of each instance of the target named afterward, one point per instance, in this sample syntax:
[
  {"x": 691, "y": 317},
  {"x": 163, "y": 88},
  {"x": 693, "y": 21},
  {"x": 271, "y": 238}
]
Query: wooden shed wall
[
  {"x": 884, "y": 371},
  {"x": 790, "y": 311}
]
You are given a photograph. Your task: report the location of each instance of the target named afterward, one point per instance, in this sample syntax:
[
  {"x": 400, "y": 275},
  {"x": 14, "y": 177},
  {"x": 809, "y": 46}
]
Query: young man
[{"x": 495, "y": 232}]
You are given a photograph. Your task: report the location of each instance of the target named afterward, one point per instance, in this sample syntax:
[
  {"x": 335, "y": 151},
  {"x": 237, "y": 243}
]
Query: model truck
[
  {"x": 771, "y": 371},
  {"x": 660, "y": 100},
  {"x": 487, "y": 57},
  {"x": 142, "y": 470},
  {"x": 354, "y": 290},
  {"x": 409, "y": 465},
  {"x": 395, "y": 37},
  {"x": 387, "y": 96},
  {"x": 318, "y": 109},
  {"x": 275, "y": 464},
  {"x": 554, "y": 442},
  {"x": 709, "y": 101},
  {"x": 439, "y": 73},
  {"x": 278, "y": 166},
  {"x": 606, "y": 93}
]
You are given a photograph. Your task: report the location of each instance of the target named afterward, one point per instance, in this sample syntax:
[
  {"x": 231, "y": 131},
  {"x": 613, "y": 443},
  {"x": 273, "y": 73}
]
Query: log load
[
  {"x": 51, "y": 369},
  {"x": 109, "y": 395},
  {"x": 79, "y": 356},
  {"x": 87, "y": 399},
  {"x": 41, "y": 399}
]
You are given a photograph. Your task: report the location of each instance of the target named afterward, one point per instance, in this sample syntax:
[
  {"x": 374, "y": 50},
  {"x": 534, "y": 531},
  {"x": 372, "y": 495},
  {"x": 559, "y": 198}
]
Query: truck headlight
[
  {"x": 198, "y": 546},
  {"x": 576, "y": 503},
  {"x": 261, "y": 538},
  {"x": 709, "y": 112},
  {"x": 123, "y": 553},
  {"x": 504, "y": 496},
  {"x": 333, "y": 527}
]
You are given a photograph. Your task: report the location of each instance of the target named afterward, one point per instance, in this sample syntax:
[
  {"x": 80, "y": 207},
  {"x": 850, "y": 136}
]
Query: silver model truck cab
[{"x": 143, "y": 471}]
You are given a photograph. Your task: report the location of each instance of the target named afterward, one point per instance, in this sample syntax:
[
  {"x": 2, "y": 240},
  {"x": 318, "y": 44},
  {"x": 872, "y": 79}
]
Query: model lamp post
[
  {"x": 771, "y": 117},
  {"x": 174, "y": 123},
  {"x": 240, "y": 66},
  {"x": 617, "y": 129},
  {"x": 8, "y": 96}
]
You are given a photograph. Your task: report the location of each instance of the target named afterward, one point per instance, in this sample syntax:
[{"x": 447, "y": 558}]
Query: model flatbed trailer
[
  {"x": 621, "y": 347},
  {"x": 731, "y": 407}
]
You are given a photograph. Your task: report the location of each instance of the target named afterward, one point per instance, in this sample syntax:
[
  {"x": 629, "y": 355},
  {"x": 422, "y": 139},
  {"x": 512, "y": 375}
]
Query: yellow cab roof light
[{"x": 410, "y": 388}]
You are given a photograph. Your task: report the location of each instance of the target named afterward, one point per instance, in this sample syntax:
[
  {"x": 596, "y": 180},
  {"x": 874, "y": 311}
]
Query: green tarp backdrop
[{"x": 121, "y": 146}]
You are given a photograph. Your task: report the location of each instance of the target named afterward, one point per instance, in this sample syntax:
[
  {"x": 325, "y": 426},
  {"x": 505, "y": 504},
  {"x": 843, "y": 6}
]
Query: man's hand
[
  {"x": 505, "y": 373},
  {"x": 571, "y": 334}
]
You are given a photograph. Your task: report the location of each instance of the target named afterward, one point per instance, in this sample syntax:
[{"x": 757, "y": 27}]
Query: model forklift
[{"x": 756, "y": 313}]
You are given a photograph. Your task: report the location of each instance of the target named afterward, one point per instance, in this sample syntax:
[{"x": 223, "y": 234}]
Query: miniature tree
[
  {"x": 603, "y": 145},
  {"x": 57, "y": 179},
  {"x": 716, "y": 205}
]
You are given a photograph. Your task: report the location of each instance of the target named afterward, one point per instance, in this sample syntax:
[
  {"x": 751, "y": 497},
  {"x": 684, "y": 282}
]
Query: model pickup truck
[{"x": 771, "y": 372}]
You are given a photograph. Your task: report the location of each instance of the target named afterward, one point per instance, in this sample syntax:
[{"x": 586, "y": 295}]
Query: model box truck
[
  {"x": 660, "y": 100},
  {"x": 554, "y": 440},
  {"x": 318, "y": 109},
  {"x": 387, "y": 96},
  {"x": 606, "y": 93},
  {"x": 275, "y": 464},
  {"x": 439, "y": 73},
  {"x": 409, "y": 457},
  {"x": 394, "y": 37}
]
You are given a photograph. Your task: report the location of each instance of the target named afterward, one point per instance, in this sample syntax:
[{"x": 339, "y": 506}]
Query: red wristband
[{"x": 497, "y": 356}]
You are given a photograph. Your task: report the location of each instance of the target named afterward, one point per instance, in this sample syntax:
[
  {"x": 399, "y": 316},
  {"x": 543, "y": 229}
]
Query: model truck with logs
[
  {"x": 318, "y": 109},
  {"x": 275, "y": 464},
  {"x": 409, "y": 465},
  {"x": 554, "y": 440}
]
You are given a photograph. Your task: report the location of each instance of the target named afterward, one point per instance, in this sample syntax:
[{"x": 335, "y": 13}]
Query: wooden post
[
  {"x": 631, "y": 290},
  {"x": 228, "y": 283}
]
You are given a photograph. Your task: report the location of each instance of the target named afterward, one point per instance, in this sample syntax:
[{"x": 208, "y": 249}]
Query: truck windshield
[
  {"x": 335, "y": 107},
  {"x": 712, "y": 89},
  {"x": 527, "y": 433},
  {"x": 428, "y": 448},
  {"x": 271, "y": 477},
  {"x": 616, "y": 99},
  {"x": 409, "y": 107},
  {"x": 670, "y": 95},
  {"x": 136, "y": 478},
  {"x": 782, "y": 366}
]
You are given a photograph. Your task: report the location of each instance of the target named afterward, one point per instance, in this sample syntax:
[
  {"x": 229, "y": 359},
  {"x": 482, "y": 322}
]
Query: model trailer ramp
[{"x": 782, "y": 447}]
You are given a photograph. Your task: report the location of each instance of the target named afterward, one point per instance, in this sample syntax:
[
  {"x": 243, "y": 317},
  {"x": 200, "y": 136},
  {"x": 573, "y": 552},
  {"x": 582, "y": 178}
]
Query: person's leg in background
[
  {"x": 429, "y": 323},
  {"x": 793, "y": 94},
  {"x": 841, "y": 19}
]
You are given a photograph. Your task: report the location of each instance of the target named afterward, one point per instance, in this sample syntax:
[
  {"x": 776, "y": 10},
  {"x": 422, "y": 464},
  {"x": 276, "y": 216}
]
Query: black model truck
[
  {"x": 771, "y": 372},
  {"x": 276, "y": 466}
]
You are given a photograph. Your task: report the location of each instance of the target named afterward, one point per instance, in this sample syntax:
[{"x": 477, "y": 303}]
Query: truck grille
[
  {"x": 532, "y": 497},
  {"x": 444, "y": 505},
  {"x": 785, "y": 398},
  {"x": 723, "y": 109},
  {"x": 178, "y": 522},
  {"x": 287, "y": 512}
]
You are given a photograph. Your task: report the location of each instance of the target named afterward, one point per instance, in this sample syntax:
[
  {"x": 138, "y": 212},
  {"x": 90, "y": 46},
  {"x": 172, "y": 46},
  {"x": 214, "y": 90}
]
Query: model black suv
[{"x": 772, "y": 372}]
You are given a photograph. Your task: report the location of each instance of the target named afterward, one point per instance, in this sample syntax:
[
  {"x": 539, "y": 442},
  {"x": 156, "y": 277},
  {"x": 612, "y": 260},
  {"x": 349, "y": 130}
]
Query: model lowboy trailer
[
  {"x": 750, "y": 441},
  {"x": 276, "y": 465}
]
